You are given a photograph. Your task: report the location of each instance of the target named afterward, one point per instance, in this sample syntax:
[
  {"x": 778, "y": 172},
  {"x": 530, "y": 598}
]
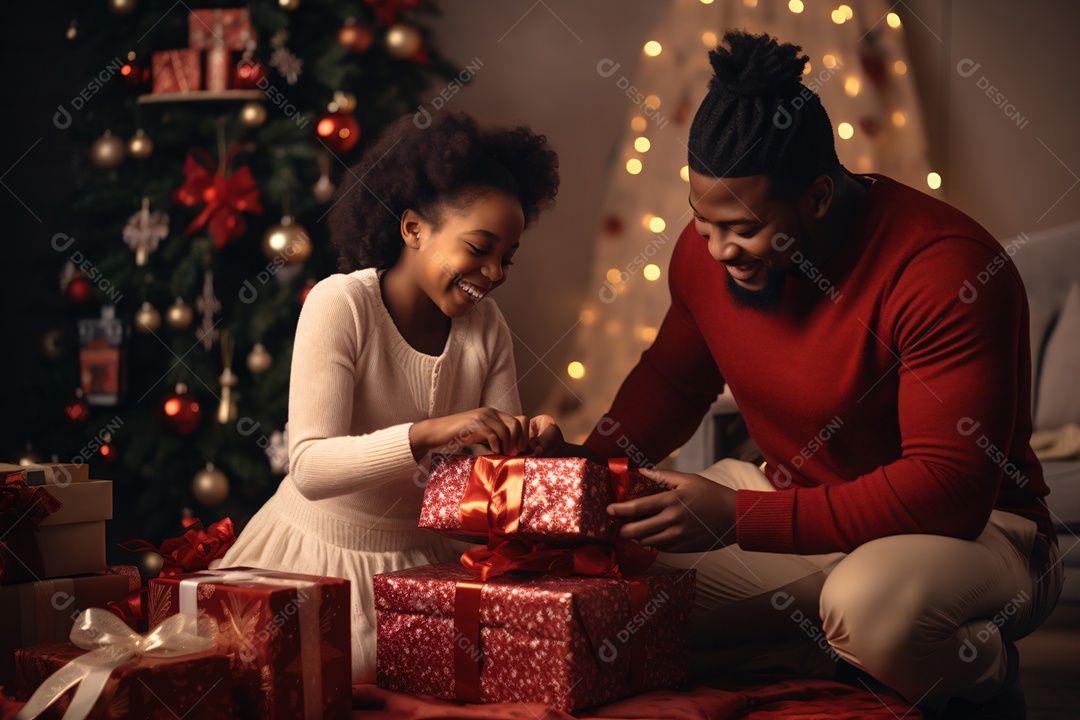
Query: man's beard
[{"x": 768, "y": 298}]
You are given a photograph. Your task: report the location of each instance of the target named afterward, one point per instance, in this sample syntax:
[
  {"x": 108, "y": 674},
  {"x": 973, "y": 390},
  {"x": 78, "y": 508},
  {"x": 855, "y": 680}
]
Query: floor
[{"x": 1050, "y": 666}]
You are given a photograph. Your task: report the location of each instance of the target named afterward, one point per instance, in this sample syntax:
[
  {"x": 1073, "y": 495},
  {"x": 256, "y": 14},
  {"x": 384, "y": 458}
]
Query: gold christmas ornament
[
  {"x": 122, "y": 7},
  {"x": 227, "y": 410},
  {"x": 402, "y": 41},
  {"x": 253, "y": 114},
  {"x": 147, "y": 319},
  {"x": 289, "y": 4},
  {"x": 179, "y": 315},
  {"x": 323, "y": 189},
  {"x": 107, "y": 151},
  {"x": 258, "y": 360},
  {"x": 72, "y": 31},
  {"x": 140, "y": 145},
  {"x": 210, "y": 486},
  {"x": 342, "y": 102},
  {"x": 288, "y": 242}
]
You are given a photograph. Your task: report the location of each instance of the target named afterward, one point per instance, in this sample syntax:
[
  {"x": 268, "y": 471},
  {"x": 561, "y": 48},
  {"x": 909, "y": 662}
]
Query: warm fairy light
[
  {"x": 829, "y": 61},
  {"x": 898, "y": 119},
  {"x": 933, "y": 180},
  {"x": 806, "y": 68},
  {"x": 648, "y": 334},
  {"x": 575, "y": 370},
  {"x": 750, "y": 3},
  {"x": 839, "y": 17},
  {"x": 653, "y": 48},
  {"x": 848, "y": 14},
  {"x": 633, "y": 166},
  {"x": 851, "y": 86},
  {"x": 706, "y": 2},
  {"x": 653, "y": 101},
  {"x": 642, "y": 144},
  {"x": 172, "y": 406},
  {"x": 651, "y": 272},
  {"x": 613, "y": 275},
  {"x": 893, "y": 19},
  {"x": 845, "y": 131},
  {"x": 684, "y": 173},
  {"x": 587, "y": 316},
  {"x": 657, "y": 224},
  {"x": 638, "y": 124},
  {"x": 646, "y": 219},
  {"x": 899, "y": 67},
  {"x": 795, "y": 6},
  {"x": 709, "y": 38}
]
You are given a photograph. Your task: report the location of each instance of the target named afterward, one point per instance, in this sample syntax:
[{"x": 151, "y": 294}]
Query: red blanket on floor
[{"x": 808, "y": 699}]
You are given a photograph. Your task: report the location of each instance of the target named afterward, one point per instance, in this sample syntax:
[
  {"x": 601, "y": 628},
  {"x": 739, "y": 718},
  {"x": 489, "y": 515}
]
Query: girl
[{"x": 403, "y": 356}]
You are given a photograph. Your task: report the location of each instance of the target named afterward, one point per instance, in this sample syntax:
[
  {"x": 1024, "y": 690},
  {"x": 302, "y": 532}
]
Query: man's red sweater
[{"x": 890, "y": 392}]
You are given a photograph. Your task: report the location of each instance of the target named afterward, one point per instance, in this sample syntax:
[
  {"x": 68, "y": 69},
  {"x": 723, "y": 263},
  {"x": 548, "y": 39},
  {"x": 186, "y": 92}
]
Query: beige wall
[{"x": 539, "y": 67}]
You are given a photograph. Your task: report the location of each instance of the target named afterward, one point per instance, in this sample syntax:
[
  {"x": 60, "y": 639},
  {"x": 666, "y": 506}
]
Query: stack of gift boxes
[
  {"x": 236, "y": 642},
  {"x": 216, "y": 39},
  {"x": 554, "y": 609}
]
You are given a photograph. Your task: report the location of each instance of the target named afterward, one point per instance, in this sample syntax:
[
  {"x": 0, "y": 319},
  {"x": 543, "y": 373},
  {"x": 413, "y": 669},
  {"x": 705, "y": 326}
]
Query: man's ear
[
  {"x": 819, "y": 196},
  {"x": 411, "y": 223}
]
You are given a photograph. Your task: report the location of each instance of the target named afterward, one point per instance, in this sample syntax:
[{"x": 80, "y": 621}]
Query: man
[{"x": 900, "y": 504}]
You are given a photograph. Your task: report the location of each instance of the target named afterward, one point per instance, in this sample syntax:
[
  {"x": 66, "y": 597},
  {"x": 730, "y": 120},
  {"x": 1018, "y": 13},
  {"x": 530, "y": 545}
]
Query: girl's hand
[
  {"x": 544, "y": 435},
  {"x": 504, "y": 434}
]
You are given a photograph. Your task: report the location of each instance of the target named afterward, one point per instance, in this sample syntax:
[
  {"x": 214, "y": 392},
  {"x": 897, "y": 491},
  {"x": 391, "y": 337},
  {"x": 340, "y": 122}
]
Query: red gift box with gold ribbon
[
  {"x": 543, "y": 499},
  {"x": 288, "y": 636},
  {"x": 568, "y": 642}
]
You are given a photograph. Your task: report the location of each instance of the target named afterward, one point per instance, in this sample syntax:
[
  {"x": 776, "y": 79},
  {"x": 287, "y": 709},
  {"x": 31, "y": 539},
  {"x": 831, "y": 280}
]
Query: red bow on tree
[
  {"x": 226, "y": 198},
  {"x": 192, "y": 551},
  {"x": 387, "y": 10}
]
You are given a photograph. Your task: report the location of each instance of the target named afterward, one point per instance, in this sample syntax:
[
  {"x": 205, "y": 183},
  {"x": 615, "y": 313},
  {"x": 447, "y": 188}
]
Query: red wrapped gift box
[
  {"x": 568, "y": 642},
  {"x": 38, "y": 613},
  {"x": 176, "y": 71},
  {"x": 542, "y": 499},
  {"x": 146, "y": 687},
  {"x": 288, "y": 636}
]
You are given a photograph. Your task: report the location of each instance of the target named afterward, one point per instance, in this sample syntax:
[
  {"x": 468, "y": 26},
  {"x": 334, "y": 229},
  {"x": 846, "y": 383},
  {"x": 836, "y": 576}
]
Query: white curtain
[{"x": 861, "y": 71}]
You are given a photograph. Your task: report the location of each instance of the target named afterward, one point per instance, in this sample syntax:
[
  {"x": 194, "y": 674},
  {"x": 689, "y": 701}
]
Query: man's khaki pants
[{"x": 925, "y": 614}]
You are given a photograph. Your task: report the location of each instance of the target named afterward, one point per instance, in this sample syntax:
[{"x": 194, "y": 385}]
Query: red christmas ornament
[
  {"x": 76, "y": 411},
  {"x": 226, "y": 198},
  {"x": 306, "y": 291},
  {"x": 108, "y": 450},
  {"x": 613, "y": 226},
  {"x": 387, "y": 10},
  {"x": 80, "y": 291},
  {"x": 249, "y": 72},
  {"x": 338, "y": 131},
  {"x": 354, "y": 37},
  {"x": 870, "y": 125},
  {"x": 180, "y": 412},
  {"x": 682, "y": 112},
  {"x": 134, "y": 74}
]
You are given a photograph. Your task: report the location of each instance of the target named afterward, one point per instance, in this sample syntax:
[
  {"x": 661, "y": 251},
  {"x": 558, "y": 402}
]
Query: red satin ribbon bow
[
  {"x": 22, "y": 508},
  {"x": 226, "y": 198},
  {"x": 192, "y": 551}
]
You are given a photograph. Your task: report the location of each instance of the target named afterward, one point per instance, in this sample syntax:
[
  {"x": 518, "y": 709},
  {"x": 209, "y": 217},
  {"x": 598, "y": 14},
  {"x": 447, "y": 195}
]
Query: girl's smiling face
[{"x": 468, "y": 253}]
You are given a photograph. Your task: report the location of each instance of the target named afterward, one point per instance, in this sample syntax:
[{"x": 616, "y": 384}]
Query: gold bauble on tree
[
  {"x": 122, "y": 7},
  {"x": 107, "y": 151},
  {"x": 253, "y": 114},
  {"x": 140, "y": 145},
  {"x": 288, "y": 242},
  {"x": 402, "y": 41},
  {"x": 258, "y": 360},
  {"x": 210, "y": 486},
  {"x": 289, "y": 4},
  {"x": 342, "y": 102},
  {"x": 179, "y": 315},
  {"x": 147, "y": 319}
]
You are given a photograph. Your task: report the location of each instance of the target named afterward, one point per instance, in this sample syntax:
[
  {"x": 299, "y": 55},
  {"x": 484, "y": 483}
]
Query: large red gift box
[
  {"x": 176, "y": 71},
  {"x": 38, "y": 613},
  {"x": 568, "y": 642},
  {"x": 549, "y": 500},
  {"x": 288, "y": 636},
  {"x": 153, "y": 688}
]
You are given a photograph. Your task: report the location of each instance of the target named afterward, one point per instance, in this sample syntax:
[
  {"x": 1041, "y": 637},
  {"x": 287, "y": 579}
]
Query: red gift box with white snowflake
[
  {"x": 568, "y": 642},
  {"x": 287, "y": 636},
  {"x": 552, "y": 500}
]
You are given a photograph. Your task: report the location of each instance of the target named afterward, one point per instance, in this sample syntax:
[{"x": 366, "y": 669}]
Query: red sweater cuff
[{"x": 765, "y": 521}]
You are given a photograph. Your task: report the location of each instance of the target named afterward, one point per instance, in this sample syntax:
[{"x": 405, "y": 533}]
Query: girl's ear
[{"x": 411, "y": 228}]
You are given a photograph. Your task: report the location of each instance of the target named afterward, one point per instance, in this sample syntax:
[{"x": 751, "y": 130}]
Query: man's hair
[{"x": 748, "y": 123}]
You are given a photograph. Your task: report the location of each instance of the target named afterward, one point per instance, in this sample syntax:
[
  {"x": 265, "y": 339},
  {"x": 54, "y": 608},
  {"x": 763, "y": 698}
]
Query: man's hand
[{"x": 694, "y": 515}]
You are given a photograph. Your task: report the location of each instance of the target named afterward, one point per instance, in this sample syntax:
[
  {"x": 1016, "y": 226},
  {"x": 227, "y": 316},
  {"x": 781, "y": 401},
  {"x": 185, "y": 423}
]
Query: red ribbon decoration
[
  {"x": 226, "y": 198},
  {"x": 132, "y": 608},
  {"x": 22, "y": 508},
  {"x": 192, "y": 551}
]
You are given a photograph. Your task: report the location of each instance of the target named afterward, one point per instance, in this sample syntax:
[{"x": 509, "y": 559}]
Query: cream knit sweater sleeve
[
  {"x": 325, "y": 460},
  {"x": 501, "y": 387}
]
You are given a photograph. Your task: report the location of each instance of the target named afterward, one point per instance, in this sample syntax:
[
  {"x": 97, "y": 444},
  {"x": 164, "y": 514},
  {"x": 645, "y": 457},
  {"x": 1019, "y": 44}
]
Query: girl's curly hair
[{"x": 445, "y": 164}]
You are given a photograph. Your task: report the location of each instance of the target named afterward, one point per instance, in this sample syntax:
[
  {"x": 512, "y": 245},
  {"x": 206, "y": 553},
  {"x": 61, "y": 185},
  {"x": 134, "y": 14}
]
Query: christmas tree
[{"x": 216, "y": 139}]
